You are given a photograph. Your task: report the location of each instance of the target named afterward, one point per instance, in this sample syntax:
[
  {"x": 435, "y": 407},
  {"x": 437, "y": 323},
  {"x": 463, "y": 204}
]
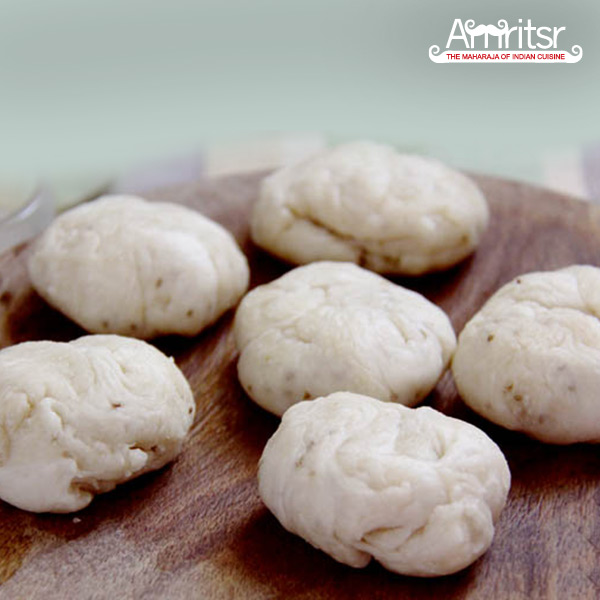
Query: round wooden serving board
[{"x": 197, "y": 528}]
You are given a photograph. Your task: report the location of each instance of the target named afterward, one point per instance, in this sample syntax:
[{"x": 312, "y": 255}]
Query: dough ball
[
  {"x": 332, "y": 326},
  {"x": 367, "y": 204},
  {"x": 78, "y": 418},
  {"x": 529, "y": 360},
  {"x": 122, "y": 265},
  {"x": 359, "y": 478}
]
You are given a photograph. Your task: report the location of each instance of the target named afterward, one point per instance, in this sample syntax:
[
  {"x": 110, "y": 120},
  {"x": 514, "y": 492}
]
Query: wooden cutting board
[{"x": 197, "y": 528}]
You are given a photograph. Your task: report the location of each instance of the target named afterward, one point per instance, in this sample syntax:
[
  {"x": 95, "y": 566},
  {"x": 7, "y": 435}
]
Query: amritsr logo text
[{"x": 521, "y": 43}]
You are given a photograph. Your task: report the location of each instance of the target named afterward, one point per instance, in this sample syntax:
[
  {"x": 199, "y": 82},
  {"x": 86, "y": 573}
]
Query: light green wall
[{"x": 88, "y": 87}]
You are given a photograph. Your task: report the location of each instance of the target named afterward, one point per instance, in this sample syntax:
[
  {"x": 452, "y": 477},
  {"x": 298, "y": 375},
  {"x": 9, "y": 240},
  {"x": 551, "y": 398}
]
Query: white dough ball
[
  {"x": 365, "y": 203},
  {"x": 79, "y": 418},
  {"x": 529, "y": 360},
  {"x": 358, "y": 478},
  {"x": 122, "y": 265},
  {"x": 331, "y": 326}
]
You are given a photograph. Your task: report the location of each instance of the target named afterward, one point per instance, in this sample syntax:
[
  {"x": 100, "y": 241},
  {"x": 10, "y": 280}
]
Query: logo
[{"x": 504, "y": 44}]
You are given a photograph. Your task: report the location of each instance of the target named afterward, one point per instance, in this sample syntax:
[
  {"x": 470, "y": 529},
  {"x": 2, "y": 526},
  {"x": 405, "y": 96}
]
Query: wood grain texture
[{"x": 197, "y": 528}]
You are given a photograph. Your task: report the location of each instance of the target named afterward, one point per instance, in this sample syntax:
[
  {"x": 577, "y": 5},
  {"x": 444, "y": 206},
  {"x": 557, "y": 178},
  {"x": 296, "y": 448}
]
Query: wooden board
[{"x": 197, "y": 529}]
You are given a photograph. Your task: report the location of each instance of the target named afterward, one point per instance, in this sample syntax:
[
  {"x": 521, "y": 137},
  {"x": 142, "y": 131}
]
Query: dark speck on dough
[
  {"x": 300, "y": 461},
  {"x": 518, "y": 397},
  {"x": 509, "y": 387},
  {"x": 116, "y": 404},
  {"x": 518, "y": 281},
  {"x": 190, "y": 313},
  {"x": 159, "y": 282},
  {"x": 105, "y": 324},
  {"x": 307, "y": 396},
  {"x": 490, "y": 337}
]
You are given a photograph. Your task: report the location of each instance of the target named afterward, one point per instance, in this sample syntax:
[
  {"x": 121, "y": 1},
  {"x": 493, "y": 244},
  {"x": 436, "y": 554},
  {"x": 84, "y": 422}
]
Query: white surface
[
  {"x": 105, "y": 85},
  {"x": 27, "y": 221}
]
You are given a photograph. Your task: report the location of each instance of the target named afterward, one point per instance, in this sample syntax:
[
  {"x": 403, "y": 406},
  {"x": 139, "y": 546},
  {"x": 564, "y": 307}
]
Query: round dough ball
[
  {"x": 367, "y": 204},
  {"x": 330, "y": 327},
  {"x": 529, "y": 360},
  {"x": 359, "y": 478},
  {"x": 79, "y": 418},
  {"x": 122, "y": 265}
]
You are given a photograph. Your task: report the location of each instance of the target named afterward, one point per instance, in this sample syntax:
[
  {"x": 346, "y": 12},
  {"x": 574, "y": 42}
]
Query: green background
[{"x": 93, "y": 87}]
